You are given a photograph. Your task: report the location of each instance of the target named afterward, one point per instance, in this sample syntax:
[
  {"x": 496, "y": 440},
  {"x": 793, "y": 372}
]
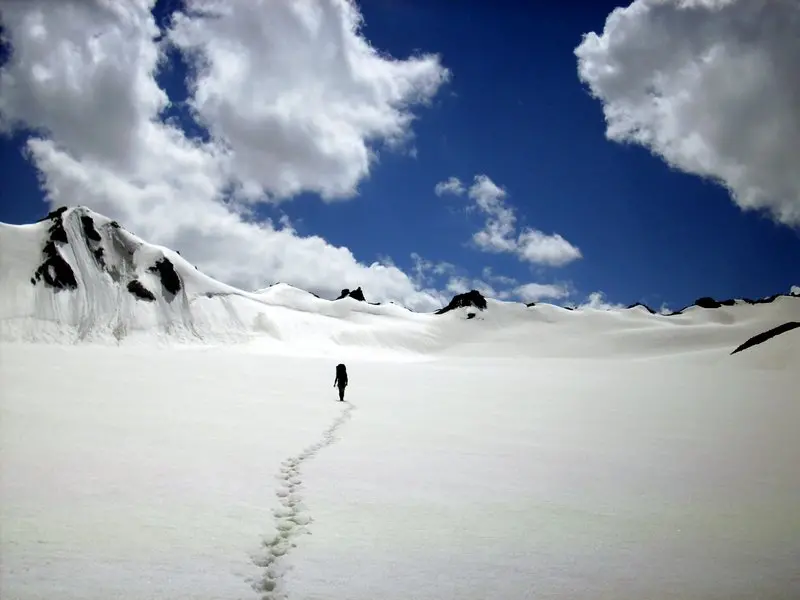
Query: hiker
[{"x": 341, "y": 380}]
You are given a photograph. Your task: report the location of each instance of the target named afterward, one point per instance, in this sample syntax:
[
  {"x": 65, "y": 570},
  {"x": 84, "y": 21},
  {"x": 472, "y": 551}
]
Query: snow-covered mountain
[
  {"x": 493, "y": 450},
  {"x": 79, "y": 276}
]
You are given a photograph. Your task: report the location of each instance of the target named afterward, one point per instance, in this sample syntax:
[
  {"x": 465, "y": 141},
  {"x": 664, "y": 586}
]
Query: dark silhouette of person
[{"x": 341, "y": 380}]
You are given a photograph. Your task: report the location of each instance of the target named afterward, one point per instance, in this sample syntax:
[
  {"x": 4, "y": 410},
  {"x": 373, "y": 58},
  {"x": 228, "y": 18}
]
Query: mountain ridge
[{"x": 77, "y": 275}]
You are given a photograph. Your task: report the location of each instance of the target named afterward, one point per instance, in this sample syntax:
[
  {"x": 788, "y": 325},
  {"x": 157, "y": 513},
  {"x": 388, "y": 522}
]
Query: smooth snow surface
[{"x": 193, "y": 446}]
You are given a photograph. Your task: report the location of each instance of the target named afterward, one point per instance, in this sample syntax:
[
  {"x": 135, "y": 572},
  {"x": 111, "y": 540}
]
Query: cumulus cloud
[
  {"x": 499, "y": 233},
  {"x": 425, "y": 272},
  {"x": 452, "y": 185},
  {"x": 293, "y": 96},
  {"x": 489, "y": 275},
  {"x": 597, "y": 300},
  {"x": 537, "y": 247},
  {"x": 502, "y": 287},
  {"x": 534, "y": 292},
  {"x": 300, "y": 75},
  {"x": 712, "y": 87},
  {"x": 460, "y": 284},
  {"x": 795, "y": 291}
]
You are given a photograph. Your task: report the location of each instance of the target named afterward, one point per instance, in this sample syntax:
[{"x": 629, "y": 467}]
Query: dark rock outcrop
[
  {"x": 57, "y": 233},
  {"x": 136, "y": 288},
  {"x": 650, "y": 310},
  {"x": 55, "y": 271},
  {"x": 471, "y": 298},
  {"x": 707, "y": 302},
  {"x": 93, "y": 240},
  {"x": 89, "y": 230},
  {"x": 54, "y": 214},
  {"x": 98, "y": 254},
  {"x": 529, "y": 304},
  {"x": 167, "y": 274},
  {"x": 356, "y": 294},
  {"x": 763, "y": 337}
]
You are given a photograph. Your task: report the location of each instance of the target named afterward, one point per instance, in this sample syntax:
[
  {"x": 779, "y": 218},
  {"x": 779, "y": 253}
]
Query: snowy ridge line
[{"x": 292, "y": 518}]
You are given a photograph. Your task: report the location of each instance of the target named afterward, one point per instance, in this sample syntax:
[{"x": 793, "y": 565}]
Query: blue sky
[{"x": 515, "y": 110}]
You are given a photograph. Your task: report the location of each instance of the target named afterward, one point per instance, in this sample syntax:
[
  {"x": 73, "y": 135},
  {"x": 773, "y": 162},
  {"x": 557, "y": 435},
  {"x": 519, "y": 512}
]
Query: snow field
[
  {"x": 192, "y": 446},
  {"x": 145, "y": 473},
  {"x": 166, "y": 473}
]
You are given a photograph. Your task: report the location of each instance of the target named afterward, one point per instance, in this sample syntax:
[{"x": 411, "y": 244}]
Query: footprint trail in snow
[{"x": 292, "y": 517}]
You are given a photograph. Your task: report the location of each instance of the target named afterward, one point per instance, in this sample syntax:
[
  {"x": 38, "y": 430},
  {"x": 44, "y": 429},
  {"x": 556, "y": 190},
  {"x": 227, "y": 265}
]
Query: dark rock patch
[
  {"x": 707, "y": 302},
  {"x": 54, "y": 214},
  {"x": 529, "y": 304},
  {"x": 98, "y": 254},
  {"x": 470, "y": 315},
  {"x": 114, "y": 225},
  {"x": 57, "y": 231},
  {"x": 169, "y": 277},
  {"x": 136, "y": 288},
  {"x": 89, "y": 230},
  {"x": 356, "y": 294},
  {"x": 471, "y": 298},
  {"x": 650, "y": 310},
  {"x": 763, "y": 337},
  {"x": 55, "y": 271}
]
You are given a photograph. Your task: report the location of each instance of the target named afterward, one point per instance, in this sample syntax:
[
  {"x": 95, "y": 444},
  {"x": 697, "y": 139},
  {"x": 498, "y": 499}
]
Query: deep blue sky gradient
[{"x": 516, "y": 111}]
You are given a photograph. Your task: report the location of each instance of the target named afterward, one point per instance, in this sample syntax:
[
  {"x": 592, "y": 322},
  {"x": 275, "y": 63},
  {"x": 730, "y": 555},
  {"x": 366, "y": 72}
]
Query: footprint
[{"x": 291, "y": 518}]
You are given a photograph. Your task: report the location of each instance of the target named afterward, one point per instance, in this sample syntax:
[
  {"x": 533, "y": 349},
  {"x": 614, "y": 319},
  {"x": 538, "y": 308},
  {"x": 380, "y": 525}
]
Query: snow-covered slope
[
  {"x": 78, "y": 276},
  {"x": 535, "y": 452}
]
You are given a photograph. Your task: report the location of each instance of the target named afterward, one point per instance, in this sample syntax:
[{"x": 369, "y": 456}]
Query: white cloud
[
  {"x": 297, "y": 93},
  {"x": 424, "y": 270},
  {"x": 711, "y": 86},
  {"x": 534, "y": 292},
  {"x": 488, "y": 275},
  {"x": 295, "y": 100},
  {"x": 529, "y": 292},
  {"x": 598, "y": 301},
  {"x": 452, "y": 185},
  {"x": 795, "y": 290},
  {"x": 499, "y": 233},
  {"x": 540, "y": 248},
  {"x": 458, "y": 285}
]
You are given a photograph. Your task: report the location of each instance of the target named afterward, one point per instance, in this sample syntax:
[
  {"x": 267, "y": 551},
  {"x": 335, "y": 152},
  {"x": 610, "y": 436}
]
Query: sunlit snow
[{"x": 193, "y": 446}]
